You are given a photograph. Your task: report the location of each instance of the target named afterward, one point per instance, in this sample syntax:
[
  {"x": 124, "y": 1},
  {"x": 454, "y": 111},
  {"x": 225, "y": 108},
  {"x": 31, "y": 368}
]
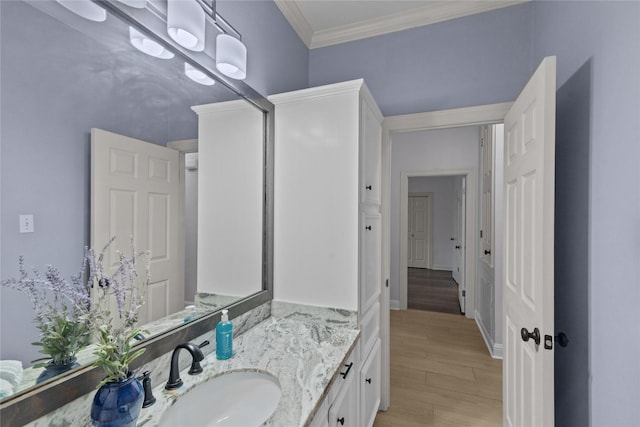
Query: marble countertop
[{"x": 303, "y": 347}]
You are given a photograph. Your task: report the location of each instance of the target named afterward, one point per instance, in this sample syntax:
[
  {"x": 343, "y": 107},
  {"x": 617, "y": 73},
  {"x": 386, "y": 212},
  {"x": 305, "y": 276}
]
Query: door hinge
[
  {"x": 386, "y": 283},
  {"x": 464, "y": 293},
  {"x": 481, "y": 234}
]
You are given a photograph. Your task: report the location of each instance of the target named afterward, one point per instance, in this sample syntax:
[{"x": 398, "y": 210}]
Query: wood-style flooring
[
  {"x": 441, "y": 373},
  {"x": 432, "y": 290}
]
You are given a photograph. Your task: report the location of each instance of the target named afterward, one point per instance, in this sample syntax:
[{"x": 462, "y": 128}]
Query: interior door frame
[
  {"x": 429, "y": 227},
  {"x": 477, "y": 115},
  {"x": 469, "y": 277},
  {"x": 183, "y": 146}
]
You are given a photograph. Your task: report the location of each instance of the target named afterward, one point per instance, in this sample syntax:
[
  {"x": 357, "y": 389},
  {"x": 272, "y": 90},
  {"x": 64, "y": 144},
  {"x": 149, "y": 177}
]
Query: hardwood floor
[
  {"x": 432, "y": 290},
  {"x": 441, "y": 373}
]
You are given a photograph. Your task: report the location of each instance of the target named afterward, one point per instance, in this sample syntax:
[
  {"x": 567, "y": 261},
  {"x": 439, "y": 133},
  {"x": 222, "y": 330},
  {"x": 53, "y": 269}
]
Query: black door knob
[
  {"x": 486, "y": 252},
  {"x": 457, "y": 246},
  {"x": 526, "y": 335},
  {"x": 341, "y": 421}
]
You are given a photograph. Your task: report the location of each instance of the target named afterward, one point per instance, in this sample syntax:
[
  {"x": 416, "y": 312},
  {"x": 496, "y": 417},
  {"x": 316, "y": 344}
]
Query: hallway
[
  {"x": 441, "y": 373},
  {"x": 432, "y": 290}
]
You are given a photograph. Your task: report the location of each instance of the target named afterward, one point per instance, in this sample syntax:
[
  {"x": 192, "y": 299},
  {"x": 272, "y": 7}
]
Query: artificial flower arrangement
[
  {"x": 114, "y": 316},
  {"x": 67, "y": 314},
  {"x": 60, "y": 306}
]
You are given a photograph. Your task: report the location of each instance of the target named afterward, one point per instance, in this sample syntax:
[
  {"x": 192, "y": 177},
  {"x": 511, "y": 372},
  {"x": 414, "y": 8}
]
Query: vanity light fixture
[
  {"x": 197, "y": 75},
  {"x": 186, "y": 23},
  {"x": 231, "y": 56},
  {"x": 86, "y": 9},
  {"x": 144, "y": 44}
]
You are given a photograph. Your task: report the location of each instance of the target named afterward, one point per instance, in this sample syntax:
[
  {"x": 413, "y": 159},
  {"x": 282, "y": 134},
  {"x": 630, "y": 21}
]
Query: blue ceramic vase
[{"x": 117, "y": 404}]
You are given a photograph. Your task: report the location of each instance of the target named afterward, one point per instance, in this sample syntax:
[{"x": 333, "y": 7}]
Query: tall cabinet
[{"x": 327, "y": 220}]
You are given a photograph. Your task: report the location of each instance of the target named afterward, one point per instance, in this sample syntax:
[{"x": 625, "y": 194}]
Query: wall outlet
[{"x": 26, "y": 223}]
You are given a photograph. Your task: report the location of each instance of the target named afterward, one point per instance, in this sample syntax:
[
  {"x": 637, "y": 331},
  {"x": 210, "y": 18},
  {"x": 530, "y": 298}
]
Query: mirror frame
[{"x": 39, "y": 401}]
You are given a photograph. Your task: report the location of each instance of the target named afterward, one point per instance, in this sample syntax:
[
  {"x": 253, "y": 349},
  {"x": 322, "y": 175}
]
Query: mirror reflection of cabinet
[
  {"x": 230, "y": 240},
  {"x": 327, "y": 213}
]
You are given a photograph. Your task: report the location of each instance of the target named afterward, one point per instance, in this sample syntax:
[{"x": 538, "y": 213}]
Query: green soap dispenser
[{"x": 224, "y": 337}]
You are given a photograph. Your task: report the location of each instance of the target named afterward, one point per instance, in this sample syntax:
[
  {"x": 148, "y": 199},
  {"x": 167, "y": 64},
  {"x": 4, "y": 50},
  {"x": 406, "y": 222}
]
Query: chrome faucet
[{"x": 174, "y": 374}]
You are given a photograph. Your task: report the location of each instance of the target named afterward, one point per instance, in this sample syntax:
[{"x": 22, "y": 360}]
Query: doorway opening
[
  {"x": 450, "y": 224},
  {"x": 436, "y": 243}
]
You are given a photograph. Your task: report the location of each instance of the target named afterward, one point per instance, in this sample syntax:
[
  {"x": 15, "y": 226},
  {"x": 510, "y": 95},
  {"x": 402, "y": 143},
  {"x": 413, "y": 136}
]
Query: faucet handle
[{"x": 149, "y": 398}]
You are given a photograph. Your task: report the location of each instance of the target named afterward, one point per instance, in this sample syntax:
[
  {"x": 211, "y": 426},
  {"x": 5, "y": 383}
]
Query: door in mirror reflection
[{"x": 135, "y": 192}]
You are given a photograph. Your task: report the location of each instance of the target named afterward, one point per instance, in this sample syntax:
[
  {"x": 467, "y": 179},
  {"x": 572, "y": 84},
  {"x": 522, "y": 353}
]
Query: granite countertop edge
[{"x": 303, "y": 347}]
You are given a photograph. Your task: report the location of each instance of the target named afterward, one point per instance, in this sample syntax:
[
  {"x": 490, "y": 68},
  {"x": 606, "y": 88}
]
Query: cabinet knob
[
  {"x": 486, "y": 252},
  {"x": 368, "y": 380},
  {"x": 368, "y": 187},
  {"x": 341, "y": 421},
  {"x": 368, "y": 227}
]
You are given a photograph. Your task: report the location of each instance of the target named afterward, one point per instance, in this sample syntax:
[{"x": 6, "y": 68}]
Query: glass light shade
[
  {"x": 186, "y": 23},
  {"x": 138, "y": 4},
  {"x": 197, "y": 75},
  {"x": 86, "y": 9},
  {"x": 148, "y": 46},
  {"x": 231, "y": 57}
]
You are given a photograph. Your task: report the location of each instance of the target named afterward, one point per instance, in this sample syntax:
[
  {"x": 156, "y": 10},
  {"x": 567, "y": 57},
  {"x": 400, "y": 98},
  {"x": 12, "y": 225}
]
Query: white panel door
[
  {"x": 529, "y": 162},
  {"x": 135, "y": 193},
  {"x": 418, "y": 228}
]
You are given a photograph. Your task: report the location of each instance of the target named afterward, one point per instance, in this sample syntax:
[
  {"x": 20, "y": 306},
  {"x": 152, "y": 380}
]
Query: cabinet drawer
[
  {"x": 369, "y": 329},
  {"x": 321, "y": 418},
  {"x": 344, "y": 410},
  {"x": 348, "y": 370},
  {"x": 370, "y": 387}
]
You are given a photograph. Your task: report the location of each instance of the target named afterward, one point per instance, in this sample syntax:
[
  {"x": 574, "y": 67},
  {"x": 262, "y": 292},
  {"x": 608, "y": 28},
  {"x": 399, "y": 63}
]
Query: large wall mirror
[{"x": 61, "y": 77}]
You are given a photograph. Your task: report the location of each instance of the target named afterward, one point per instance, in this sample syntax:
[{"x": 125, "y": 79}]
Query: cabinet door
[
  {"x": 370, "y": 387},
  {"x": 370, "y": 259},
  {"x": 370, "y": 155},
  {"x": 321, "y": 419},
  {"x": 344, "y": 411}
]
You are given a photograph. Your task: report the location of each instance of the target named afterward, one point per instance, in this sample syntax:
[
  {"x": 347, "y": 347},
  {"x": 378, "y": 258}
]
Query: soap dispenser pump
[{"x": 224, "y": 337}]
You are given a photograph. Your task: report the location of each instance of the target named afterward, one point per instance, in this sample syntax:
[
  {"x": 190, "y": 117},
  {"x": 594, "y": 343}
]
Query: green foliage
[
  {"x": 115, "y": 354},
  {"x": 61, "y": 338}
]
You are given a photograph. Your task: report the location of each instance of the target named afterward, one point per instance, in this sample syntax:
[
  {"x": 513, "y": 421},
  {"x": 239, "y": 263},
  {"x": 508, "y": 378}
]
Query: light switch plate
[{"x": 26, "y": 223}]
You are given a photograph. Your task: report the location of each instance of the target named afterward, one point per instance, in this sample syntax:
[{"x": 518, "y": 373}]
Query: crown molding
[
  {"x": 317, "y": 92},
  {"x": 296, "y": 19},
  {"x": 430, "y": 14}
]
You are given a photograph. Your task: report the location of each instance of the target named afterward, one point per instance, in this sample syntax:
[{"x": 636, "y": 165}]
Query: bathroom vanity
[{"x": 325, "y": 361}]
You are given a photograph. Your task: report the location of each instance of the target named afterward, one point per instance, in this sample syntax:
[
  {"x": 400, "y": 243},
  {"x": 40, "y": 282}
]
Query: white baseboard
[
  {"x": 394, "y": 304},
  {"x": 495, "y": 350},
  {"x": 442, "y": 267}
]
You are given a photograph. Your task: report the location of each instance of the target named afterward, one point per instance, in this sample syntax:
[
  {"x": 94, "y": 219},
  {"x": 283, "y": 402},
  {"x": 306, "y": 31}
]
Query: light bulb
[
  {"x": 197, "y": 75},
  {"x": 186, "y": 24},
  {"x": 231, "y": 57},
  {"x": 148, "y": 46},
  {"x": 86, "y": 9}
]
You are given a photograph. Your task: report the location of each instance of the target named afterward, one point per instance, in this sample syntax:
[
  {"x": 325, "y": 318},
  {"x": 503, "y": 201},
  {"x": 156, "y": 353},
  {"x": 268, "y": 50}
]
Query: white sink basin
[{"x": 238, "y": 399}]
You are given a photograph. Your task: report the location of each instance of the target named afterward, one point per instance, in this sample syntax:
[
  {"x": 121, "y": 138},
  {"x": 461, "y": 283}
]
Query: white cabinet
[
  {"x": 327, "y": 220},
  {"x": 344, "y": 410},
  {"x": 370, "y": 386}
]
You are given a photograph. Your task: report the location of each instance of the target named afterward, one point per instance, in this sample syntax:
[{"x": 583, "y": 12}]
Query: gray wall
[
  {"x": 598, "y": 211},
  {"x": 49, "y": 100},
  {"x": 487, "y": 58},
  {"x": 476, "y": 60}
]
